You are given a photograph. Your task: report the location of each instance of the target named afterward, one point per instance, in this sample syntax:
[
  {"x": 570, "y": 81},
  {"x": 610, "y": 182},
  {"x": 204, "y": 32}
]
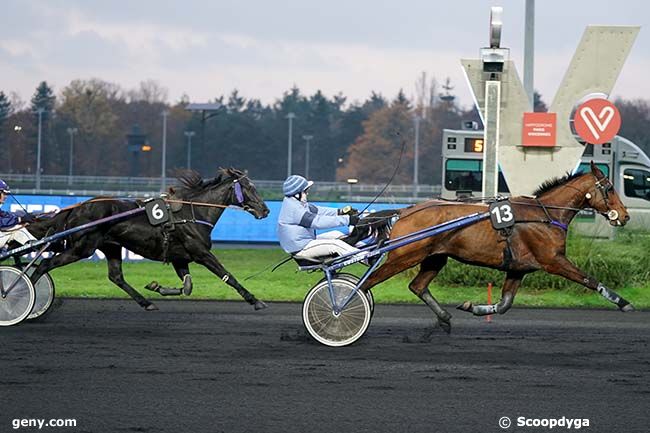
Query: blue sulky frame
[
  {"x": 330, "y": 268},
  {"x": 47, "y": 241}
]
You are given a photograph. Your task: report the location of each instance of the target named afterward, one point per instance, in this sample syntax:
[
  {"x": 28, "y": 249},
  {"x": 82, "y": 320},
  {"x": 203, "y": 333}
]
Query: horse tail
[
  {"x": 376, "y": 226},
  {"x": 48, "y": 224}
]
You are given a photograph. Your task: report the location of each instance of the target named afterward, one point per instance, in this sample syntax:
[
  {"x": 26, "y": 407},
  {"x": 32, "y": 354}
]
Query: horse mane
[
  {"x": 192, "y": 184},
  {"x": 555, "y": 182}
]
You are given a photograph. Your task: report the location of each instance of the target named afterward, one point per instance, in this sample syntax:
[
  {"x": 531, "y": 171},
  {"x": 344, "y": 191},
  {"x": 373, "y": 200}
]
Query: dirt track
[{"x": 222, "y": 367}]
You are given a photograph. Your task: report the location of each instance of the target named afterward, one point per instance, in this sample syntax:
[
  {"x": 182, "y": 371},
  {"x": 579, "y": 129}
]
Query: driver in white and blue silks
[
  {"x": 299, "y": 220},
  {"x": 12, "y": 225}
]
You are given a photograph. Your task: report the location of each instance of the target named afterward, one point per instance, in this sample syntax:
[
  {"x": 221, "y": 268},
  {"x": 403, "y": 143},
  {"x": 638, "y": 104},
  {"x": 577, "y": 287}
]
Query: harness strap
[
  {"x": 550, "y": 219},
  {"x": 195, "y": 221}
]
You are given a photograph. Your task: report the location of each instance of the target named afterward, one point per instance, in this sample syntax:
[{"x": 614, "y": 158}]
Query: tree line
[{"x": 347, "y": 139}]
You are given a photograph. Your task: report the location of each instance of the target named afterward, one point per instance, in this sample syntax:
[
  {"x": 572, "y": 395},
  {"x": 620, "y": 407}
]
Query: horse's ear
[
  {"x": 219, "y": 176},
  {"x": 171, "y": 190},
  {"x": 594, "y": 169}
]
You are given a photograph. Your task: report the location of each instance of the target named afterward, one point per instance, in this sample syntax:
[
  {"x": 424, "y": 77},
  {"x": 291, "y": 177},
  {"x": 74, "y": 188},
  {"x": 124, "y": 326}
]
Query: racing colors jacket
[
  {"x": 7, "y": 219},
  {"x": 298, "y": 222}
]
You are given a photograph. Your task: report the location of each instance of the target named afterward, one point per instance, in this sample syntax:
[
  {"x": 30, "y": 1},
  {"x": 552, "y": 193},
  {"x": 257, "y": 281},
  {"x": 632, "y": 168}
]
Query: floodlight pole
[
  {"x": 307, "y": 139},
  {"x": 207, "y": 110},
  {"x": 40, "y": 112},
  {"x": 416, "y": 154},
  {"x": 290, "y": 116},
  {"x": 529, "y": 53},
  {"x": 71, "y": 132},
  {"x": 165, "y": 113},
  {"x": 189, "y": 135}
]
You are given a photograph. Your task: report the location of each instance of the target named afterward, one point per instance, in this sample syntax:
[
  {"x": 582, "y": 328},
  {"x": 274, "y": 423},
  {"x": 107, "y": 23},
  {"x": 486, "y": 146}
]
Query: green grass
[{"x": 89, "y": 279}]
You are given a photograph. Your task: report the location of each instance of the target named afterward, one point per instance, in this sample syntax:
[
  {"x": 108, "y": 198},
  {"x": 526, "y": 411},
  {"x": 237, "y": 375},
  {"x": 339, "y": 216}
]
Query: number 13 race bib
[{"x": 502, "y": 215}]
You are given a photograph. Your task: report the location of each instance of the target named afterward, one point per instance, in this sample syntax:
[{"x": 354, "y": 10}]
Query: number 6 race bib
[
  {"x": 502, "y": 215},
  {"x": 156, "y": 211}
]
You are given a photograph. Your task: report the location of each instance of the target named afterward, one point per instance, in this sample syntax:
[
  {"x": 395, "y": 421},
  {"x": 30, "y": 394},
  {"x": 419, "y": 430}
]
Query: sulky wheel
[
  {"x": 44, "y": 290},
  {"x": 354, "y": 279},
  {"x": 328, "y": 327},
  {"x": 17, "y": 296}
]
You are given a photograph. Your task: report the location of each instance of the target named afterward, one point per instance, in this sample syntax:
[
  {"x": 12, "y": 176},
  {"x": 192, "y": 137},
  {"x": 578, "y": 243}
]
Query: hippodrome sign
[
  {"x": 539, "y": 129},
  {"x": 597, "y": 121}
]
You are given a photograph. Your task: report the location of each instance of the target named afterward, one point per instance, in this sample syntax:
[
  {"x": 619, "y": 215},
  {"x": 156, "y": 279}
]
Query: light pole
[
  {"x": 165, "y": 113},
  {"x": 351, "y": 181},
  {"x": 18, "y": 130},
  {"x": 416, "y": 152},
  {"x": 189, "y": 135},
  {"x": 529, "y": 53},
  {"x": 40, "y": 112},
  {"x": 307, "y": 139},
  {"x": 290, "y": 116},
  {"x": 71, "y": 132}
]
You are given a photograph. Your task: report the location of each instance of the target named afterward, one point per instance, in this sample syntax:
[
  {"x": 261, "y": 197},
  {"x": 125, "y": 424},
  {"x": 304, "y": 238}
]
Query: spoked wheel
[
  {"x": 16, "y": 303},
  {"x": 328, "y": 327},
  {"x": 44, "y": 290},
  {"x": 354, "y": 279}
]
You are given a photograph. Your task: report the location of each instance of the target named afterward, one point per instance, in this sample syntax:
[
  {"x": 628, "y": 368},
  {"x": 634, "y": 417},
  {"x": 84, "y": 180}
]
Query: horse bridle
[
  {"x": 239, "y": 193},
  {"x": 605, "y": 186}
]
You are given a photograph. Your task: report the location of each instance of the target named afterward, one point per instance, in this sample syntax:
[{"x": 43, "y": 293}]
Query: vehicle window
[
  {"x": 637, "y": 183},
  {"x": 467, "y": 175}
]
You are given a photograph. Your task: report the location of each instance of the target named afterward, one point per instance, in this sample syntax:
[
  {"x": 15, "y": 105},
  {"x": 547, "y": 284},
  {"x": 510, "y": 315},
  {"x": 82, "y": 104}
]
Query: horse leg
[
  {"x": 384, "y": 272},
  {"x": 213, "y": 265},
  {"x": 61, "y": 259},
  {"x": 183, "y": 272},
  {"x": 429, "y": 268},
  {"x": 113, "y": 255},
  {"x": 510, "y": 286},
  {"x": 563, "y": 267}
]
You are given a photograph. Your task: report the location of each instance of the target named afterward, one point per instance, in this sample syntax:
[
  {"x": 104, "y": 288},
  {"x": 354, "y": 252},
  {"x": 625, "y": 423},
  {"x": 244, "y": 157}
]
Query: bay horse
[
  {"x": 197, "y": 205},
  {"x": 537, "y": 241}
]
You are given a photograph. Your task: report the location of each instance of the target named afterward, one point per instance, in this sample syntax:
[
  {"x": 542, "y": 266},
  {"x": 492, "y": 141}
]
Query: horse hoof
[
  {"x": 627, "y": 308},
  {"x": 153, "y": 286},
  {"x": 445, "y": 325},
  {"x": 465, "y": 306},
  {"x": 259, "y": 305},
  {"x": 151, "y": 307}
]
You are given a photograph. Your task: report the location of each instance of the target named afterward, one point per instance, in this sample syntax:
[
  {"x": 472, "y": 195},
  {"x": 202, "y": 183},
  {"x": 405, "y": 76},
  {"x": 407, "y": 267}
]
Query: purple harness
[
  {"x": 239, "y": 195},
  {"x": 563, "y": 226}
]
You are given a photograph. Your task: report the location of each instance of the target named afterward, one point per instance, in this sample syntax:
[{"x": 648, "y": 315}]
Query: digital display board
[{"x": 474, "y": 145}]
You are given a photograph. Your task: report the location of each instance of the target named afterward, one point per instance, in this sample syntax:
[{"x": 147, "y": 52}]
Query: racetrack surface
[{"x": 222, "y": 367}]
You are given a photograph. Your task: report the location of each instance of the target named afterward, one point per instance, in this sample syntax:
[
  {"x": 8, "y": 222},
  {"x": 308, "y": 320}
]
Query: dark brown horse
[
  {"x": 200, "y": 204},
  {"x": 536, "y": 241}
]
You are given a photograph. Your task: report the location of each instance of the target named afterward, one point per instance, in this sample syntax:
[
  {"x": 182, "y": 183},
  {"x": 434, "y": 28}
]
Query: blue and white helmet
[
  {"x": 295, "y": 184},
  {"x": 3, "y": 186}
]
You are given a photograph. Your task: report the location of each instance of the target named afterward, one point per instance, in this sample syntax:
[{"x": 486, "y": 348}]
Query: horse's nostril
[{"x": 627, "y": 218}]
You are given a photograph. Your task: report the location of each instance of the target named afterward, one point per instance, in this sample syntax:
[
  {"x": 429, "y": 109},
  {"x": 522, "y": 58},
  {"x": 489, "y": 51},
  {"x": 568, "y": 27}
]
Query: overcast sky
[{"x": 205, "y": 48}]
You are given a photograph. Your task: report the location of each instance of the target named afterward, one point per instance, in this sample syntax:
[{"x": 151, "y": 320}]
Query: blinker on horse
[
  {"x": 198, "y": 205},
  {"x": 536, "y": 241}
]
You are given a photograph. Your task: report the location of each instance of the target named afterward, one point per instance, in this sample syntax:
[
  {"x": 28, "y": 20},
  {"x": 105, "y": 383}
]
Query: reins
[{"x": 100, "y": 199}]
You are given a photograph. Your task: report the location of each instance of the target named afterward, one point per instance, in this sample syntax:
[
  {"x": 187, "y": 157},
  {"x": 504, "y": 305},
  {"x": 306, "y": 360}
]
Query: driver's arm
[
  {"x": 322, "y": 210},
  {"x": 7, "y": 219},
  {"x": 313, "y": 220}
]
